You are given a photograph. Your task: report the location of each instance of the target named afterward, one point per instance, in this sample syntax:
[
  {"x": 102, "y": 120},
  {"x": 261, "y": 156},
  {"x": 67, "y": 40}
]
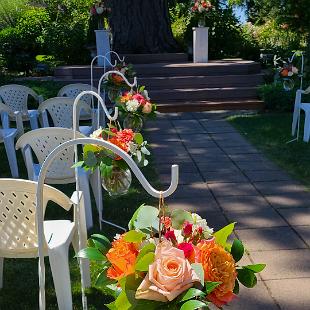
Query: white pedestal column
[
  {"x": 200, "y": 44},
  {"x": 103, "y": 45}
]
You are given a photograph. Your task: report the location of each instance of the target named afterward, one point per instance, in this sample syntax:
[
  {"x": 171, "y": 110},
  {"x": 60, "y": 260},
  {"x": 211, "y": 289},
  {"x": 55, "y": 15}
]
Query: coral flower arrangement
[{"x": 170, "y": 260}]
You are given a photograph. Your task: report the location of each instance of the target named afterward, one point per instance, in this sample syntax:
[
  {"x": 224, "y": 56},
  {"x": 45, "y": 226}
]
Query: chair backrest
[
  {"x": 42, "y": 141},
  {"x": 18, "y": 230},
  {"x": 72, "y": 90},
  {"x": 61, "y": 110},
  {"x": 16, "y": 97}
]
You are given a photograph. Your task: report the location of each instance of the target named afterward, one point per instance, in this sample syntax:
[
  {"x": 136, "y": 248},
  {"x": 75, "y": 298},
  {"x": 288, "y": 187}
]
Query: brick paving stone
[
  {"x": 183, "y": 167},
  {"x": 253, "y": 299},
  {"x": 247, "y": 157},
  {"x": 304, "y": 232},
  {"x": 185, "y": 137},
  {"x": 291, "y": 294},
  {"x": 243, "y": 203},
  {"x": 224, "y": 176},
  {"x": 159, "y": 128},
  {"x": 217, "y": 166},
  {"x": 205, "y": 143},
  {"x": 268, "y": 175},
  {"x": 257, "y": 166},
  {"x": 154, "y": 137},
  {"x": 279, "y": 187},
  {"x": 172, "y": 159},
  {"x": 229, "y": 150},
  {"x": 256, "y": 219},
  {"x": 194, "y": 204},
  {"x": 283, "y": 264},
  {"x": 215, "y": 220},
  {"x": 289, "y": 200},
  {"x": 201, "y": 151},
  {"x": 296, "y": 216},
  {"x": 206, "y": 158},
  {"x": 192, "y": 190},
  {"x": 277, "y": 238},
  {"x": 184, "y": 178},
  {"x": 188, "y": 126},
  {"x": 232, "y": 189}
]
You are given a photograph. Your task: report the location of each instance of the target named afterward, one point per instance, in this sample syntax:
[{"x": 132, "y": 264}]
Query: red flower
[
  {"x": 140, "y": 98},
  {"x": 187, "y": 228},
  {"x": 125, "y": 135},
  {"x": 166, "y": 220},
  {"x": 169, "y": 235},
  {"x": 188, "y": 250}
]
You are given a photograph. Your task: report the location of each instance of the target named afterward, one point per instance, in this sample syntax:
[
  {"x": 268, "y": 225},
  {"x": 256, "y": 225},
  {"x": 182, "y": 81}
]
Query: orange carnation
[
  {"x": 123, "y": 257},
  {"x": 219, "y": 266},
  {"x": 117, "y": 78}
]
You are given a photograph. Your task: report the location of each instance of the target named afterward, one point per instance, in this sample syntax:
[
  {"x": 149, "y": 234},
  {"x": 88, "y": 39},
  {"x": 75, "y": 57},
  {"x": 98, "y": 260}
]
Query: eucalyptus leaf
[
  {"x": 131, "y": 224},
  {"x": 222, "y": 235},
  {"x": 178, "y": 217},
  {"x": 144, "y": 262},
  {"x": 237, "y": 250},
  {"x": 90, "y": 159},
  {"x": 150, "y": 247},
  {"x": 199, "y": 272},
  {"x": 147, "y": 217},
  {"x": 134, "y": 236}
]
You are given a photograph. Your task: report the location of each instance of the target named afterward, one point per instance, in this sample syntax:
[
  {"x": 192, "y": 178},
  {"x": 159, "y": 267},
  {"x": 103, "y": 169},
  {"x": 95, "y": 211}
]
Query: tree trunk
[{"x": 141, "y": 26}]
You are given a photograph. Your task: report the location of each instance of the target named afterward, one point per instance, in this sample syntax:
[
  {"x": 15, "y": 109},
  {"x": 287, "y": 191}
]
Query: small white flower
[
  {"x": 145, "y": 151},
  {"x": 145, "y": 162},
  {"x": 290, "y": 73},
  {"x": 133, "y": 147},
  {"x": 146, "y": 95},
  {"x": 96, "y": 134},
  {"x": 198, "y": 221},
  {"x": 139, "y": 156},
  {"x": 132, "y": 105},
  {"x": 117, "y": 236}
]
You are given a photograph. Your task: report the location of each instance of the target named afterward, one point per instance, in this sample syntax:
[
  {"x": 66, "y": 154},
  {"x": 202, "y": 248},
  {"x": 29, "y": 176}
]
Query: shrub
[{"x": 276, "y": 98}]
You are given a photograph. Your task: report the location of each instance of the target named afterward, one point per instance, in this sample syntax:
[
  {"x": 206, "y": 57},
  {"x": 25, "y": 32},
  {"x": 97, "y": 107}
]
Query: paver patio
[{"x": 224, "y": 178}]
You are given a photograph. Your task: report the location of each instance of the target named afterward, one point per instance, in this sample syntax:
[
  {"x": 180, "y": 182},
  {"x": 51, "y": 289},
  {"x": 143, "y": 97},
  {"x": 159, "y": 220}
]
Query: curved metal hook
[
  {"x": 105, "y": 60},
  {"x": 116, "y": 54},
  {"x": 131, "y": 85},
  {"x": 90, "y": 92},
  {"x": 301, "y": 75}
]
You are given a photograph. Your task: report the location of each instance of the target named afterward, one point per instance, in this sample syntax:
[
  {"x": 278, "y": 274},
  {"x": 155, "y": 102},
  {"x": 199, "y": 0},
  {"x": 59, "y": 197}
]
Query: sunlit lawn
[{"x": 270, "y": 133}]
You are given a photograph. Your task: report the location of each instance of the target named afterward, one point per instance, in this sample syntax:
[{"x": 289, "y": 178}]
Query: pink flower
[
  {"x": 169, "y": 235},
  {"x": 170, "y": 275},
  {"x": 140, "y": 98},
  {"x": 188, "y": 250},
  {"x": 147, "y": 108},
  {"x": 187, "y": 228}
]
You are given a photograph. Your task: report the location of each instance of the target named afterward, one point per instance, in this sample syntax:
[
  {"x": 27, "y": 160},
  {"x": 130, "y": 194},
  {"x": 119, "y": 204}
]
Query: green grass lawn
[
  {"x": 20, "y": 290},
  {"x": 269, "y": 133}
]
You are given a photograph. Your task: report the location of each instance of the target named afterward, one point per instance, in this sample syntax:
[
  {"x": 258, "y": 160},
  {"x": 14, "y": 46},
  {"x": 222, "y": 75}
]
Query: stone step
[
  {"x": 155, "y": 58},
  {"x": 213, "y": 68},
  {"x": 197, "y": 106},
  {"x": 188, "y": 94}
]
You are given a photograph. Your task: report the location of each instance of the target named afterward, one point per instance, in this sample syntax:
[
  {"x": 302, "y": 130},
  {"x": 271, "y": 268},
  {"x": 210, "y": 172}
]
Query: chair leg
[
  {"x": 307, "y": 127},
  {"x": 84, "y": 187},
  {"x": 94, "y": 180},
  {"x": 11, "y": 154},
  {"x": 59, "y": 262},
  {"x": 1, "y": 271}
]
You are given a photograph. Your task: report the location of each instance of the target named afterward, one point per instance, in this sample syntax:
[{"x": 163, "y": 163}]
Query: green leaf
[
  {"x": 210, "y": 286},
  {"x": 138, "y": 138},
  {"x": 90, "y": 159},
  {"x": 100, "y": 242},
  {"x": 103, "y": 280},
  {"x": 193, "y": 304},
  {"x": 122, "y": 302},
  {"x": 134, "y": 236},
  {"x": 92, "y": 254},
  {"x": 146, "y": 249},
  {"x": 131, "y": 224},
  {"x": 147, "y": 217},
  {"x": 78, "y": 164},
  {"x": 247, "y": 277},
  {"x": 178, "y": 218},
  {"x": 255, "y": 268},
  {"x": 236, "y": 287},
  {"x": 90, "y": 148},
  {"x": 237, "y": 250},
  {"x": 112, "y": 305},
  {"x": 222, "y": 235},
  {"x": 145, "y": 261},
  {"x": 191, "y": 293},
  {"x": 199, "y": 272}
]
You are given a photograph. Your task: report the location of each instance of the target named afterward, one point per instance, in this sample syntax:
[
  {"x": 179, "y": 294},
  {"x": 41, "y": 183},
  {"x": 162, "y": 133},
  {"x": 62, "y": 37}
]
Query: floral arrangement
[
  {"x": 116, "y": 81},
  {"x": 115, "y": 174},
  {"x": 101, "y": 12},
  {"x": 201, "y": 7},
  {"x": 170, "y": 260},
  {"x": 136, "y": 102},
  {"x": 288, "y": 70}
]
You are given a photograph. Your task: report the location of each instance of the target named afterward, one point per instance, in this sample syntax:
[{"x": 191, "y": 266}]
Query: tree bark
[{"x": 141, "y": 26}]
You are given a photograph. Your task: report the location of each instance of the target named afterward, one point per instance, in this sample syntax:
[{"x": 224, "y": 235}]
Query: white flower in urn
[
  {"x": 132, "y": 105},
  {"x": 97, "y": 133}
]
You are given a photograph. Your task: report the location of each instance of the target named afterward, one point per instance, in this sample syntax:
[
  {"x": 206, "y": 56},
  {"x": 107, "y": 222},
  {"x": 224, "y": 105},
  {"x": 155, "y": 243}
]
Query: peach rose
[
  {"x": 147, "y": 108},
  {"x": 169, "y": 275}
]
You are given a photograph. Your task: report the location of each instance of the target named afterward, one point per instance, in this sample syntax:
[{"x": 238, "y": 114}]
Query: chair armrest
[
  {"x": 5, "y": 120},
  {"x": 45, "y": 119},
  {"x": 306, "y": 91},
  {"x": 28, "y": 159},
  {"x": 33, "y": 117},
  {"x": 40, "y": 99}
]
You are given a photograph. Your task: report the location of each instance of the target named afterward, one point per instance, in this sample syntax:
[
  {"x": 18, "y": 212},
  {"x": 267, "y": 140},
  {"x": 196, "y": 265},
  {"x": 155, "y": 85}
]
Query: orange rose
[
  {"x": 284, "y": 72},
  {"x": 219, "y": 266},
  {"x": 121, "y": 144},
  {"x": 117, "y": 78},
  {"x": 170, "y": 275},
  {"x": 123, "y": 257}
]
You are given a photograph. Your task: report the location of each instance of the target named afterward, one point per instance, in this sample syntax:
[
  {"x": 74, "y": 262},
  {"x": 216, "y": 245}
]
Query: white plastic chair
[
  {"x": 7, "y": 136},
  {"x": 61, "y": 111},
  {"x": 41, "y": 142},
  {"x": 72, "y": 90},
  {"x": 19, "y": 237},
  {"x": 305, "y": 106},
  {"x": 15, "y": 97}
]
